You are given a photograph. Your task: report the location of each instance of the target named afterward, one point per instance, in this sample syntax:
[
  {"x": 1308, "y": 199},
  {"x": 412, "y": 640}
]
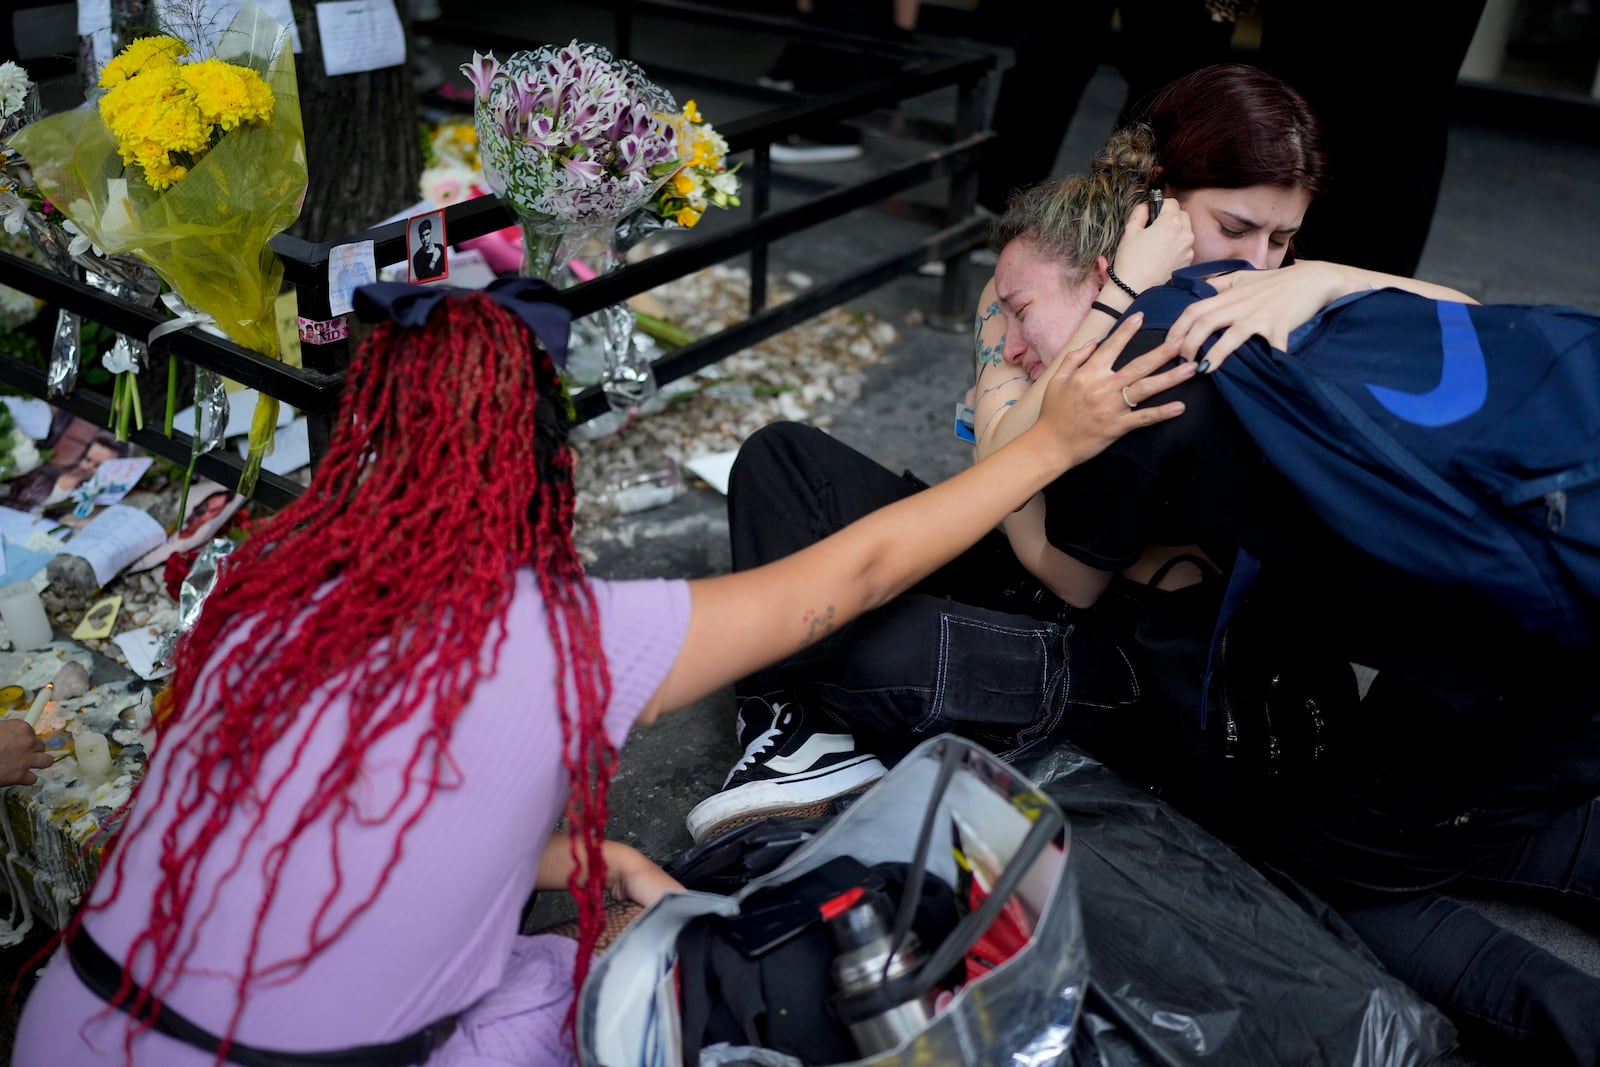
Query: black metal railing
[{"x": 314, "y": 388}]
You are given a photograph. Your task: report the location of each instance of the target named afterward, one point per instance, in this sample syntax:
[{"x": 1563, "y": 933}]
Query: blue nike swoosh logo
[{"x": 1463, "y": 379}]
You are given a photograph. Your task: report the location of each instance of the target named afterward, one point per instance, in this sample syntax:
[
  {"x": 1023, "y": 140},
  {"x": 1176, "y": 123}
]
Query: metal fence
[{"x": 916, "y": 69}]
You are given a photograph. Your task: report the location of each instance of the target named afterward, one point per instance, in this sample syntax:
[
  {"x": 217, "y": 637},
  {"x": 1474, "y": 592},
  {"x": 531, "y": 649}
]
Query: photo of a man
[{"x": 429, "y": 260}]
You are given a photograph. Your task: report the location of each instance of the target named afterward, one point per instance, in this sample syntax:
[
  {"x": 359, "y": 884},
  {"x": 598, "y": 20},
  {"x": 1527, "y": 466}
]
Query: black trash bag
[{"x": 1195, "y": 957}]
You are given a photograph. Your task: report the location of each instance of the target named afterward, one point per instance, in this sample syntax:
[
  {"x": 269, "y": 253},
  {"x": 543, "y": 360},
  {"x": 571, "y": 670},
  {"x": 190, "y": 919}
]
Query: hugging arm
[
  {"x": 630, "y": 874},
  {"x": 1274, "y": 303}
]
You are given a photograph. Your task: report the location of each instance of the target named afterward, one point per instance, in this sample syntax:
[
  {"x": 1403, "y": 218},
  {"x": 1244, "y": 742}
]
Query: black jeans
[
  {"x": 1437, "y": 788},
  {"x": 1487, "y": 977},
  {"x": 978, "y": 648}
]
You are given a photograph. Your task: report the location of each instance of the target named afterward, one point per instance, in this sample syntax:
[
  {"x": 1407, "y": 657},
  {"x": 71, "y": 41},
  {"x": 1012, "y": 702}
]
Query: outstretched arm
[
  {"x": 630, "y": 874},
  {"x": 1274, "y": 303},
  {"x": 741, "y": 622}
]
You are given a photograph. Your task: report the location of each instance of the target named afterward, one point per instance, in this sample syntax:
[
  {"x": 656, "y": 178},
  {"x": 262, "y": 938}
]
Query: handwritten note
[
  {"x": 360, "y": 35},
  {"x": 291, "y": 448},
  {"x": 115, "y": 538},
  {"x": 113, "y": 479}
]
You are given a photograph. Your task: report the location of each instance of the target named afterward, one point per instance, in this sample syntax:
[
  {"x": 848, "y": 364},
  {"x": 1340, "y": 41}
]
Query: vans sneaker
[{"x": 791, "y": 757}]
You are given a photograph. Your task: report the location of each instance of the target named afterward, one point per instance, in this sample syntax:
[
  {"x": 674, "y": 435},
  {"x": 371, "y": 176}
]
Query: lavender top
[{"x": 442, "y": 935}]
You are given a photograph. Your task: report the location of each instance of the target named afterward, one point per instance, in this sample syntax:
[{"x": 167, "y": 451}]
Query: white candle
[
  {"x": 94, "y": 755},
  {"x": 40, "y": 699}
]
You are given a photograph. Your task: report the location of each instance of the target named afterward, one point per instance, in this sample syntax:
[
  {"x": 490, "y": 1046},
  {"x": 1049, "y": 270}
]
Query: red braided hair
[{"x": 438, "y": 432}]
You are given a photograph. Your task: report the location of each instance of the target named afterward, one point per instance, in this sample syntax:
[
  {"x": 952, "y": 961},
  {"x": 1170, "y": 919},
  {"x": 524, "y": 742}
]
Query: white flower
[
  {"x": 119, "y": 358},
  {"x": 14, "y": 86},
  {"x": 24, "y": 453},
  {"x": 14, "y": 209},
  {"x": 726, "y": 183},
  {"x": 80, "y": 240},
  {"x": 17, "y": 308}
]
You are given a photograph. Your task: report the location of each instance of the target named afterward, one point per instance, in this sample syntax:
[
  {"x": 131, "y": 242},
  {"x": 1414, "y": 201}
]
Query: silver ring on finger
[{"x": 1126, "y": 399}]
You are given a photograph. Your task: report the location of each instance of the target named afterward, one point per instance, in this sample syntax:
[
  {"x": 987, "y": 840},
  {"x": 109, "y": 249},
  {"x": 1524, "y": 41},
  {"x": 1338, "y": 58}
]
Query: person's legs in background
[
  {"x": 1160, "y": 41},
  {"x": 1486, "y": 977},
  {"x": 816, "y": 70},
  {"x": 1490, "y": 977},
  {"x": 1381, "y": 85},
  {"x": 1477, "y": 778},
  {"x": 1057, "y": 48}
]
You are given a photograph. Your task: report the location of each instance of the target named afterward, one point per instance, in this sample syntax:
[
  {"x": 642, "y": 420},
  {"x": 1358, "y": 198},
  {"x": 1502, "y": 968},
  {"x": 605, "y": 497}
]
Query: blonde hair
[{"x": 1074, "y": 220}]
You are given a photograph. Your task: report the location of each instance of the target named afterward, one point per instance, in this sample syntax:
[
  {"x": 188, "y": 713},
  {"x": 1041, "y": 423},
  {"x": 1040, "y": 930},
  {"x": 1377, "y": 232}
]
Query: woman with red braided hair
[{"x": 399, "y": 682}]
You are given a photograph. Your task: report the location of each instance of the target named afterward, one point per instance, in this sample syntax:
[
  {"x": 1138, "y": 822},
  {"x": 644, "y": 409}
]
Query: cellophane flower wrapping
[
  {"x": 206, "y": 234},
  {"x": 571, "y": 136}
]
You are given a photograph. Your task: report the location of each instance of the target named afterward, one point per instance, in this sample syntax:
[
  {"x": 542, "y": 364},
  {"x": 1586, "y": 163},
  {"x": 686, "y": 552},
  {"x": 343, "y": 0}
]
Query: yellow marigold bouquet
[
  {"x": 192, "y": 164},
  {"x": 704, "y": 179}
]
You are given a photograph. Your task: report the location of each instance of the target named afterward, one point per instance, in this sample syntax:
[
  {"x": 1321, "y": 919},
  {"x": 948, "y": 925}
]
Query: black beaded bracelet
[
  {"x": 1106, "y": 309},
  {"x": 1120, "y": 284}
]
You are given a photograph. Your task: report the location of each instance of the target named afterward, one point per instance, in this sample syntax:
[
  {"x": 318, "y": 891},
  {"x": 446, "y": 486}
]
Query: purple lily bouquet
[
  {"x": 574, "y": 140},
  {"x": 570, "y": 138}
]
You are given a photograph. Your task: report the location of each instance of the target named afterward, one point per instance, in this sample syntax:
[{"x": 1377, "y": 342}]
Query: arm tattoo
[
  {"x": 1002, "y": 385},
  {"x": 995, "y": 412},
  {"x": 988, "y": 354},
  {"x": 818, "y": 625}
]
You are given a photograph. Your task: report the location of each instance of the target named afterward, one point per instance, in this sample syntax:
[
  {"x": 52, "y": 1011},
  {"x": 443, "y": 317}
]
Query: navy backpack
[{"x": 1458, "y": 443}]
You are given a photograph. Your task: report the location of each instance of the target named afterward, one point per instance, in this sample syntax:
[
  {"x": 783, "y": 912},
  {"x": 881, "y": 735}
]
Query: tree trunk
[{"x": 363, "y": 148}]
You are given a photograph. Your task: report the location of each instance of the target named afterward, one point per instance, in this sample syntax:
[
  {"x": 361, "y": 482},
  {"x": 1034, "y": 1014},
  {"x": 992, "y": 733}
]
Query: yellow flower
[
  {"x": 154, "y": 107},
  {"x": 164, "y": 175},
  {"x": 692, "y": 112},
  {"x": 687, "y": 216},
  {"x": 683, "y": 183},
  {"x": 141, "y": 55},
  {"x": 226, "y": 94}
]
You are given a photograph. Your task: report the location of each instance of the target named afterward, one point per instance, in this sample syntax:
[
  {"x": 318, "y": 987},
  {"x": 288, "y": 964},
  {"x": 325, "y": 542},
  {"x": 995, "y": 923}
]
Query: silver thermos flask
[{"x": 861, "y": 938}]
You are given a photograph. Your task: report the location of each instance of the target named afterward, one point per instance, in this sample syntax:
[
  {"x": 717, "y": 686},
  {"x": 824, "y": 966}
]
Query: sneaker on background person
[
  {"x": 792, "y": 756},
  {"x": 835, "y": 144}
]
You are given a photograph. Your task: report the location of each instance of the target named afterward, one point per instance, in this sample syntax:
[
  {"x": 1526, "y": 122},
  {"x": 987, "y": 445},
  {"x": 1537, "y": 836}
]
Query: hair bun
[{"x": 1131, "y": 149}]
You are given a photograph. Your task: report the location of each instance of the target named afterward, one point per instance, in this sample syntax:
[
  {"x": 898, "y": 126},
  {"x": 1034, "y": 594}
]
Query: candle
[
  {"x": 94, "y": 755},
  {"x": 22, "y": 611},
  {"x": 40, "y": 699}
]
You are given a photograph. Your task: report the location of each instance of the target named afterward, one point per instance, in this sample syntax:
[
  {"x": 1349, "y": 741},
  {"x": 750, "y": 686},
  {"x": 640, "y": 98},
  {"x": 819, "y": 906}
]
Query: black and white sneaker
[
  {"x": 838, "y": 144},
  {"x": 791, "y": 757}
]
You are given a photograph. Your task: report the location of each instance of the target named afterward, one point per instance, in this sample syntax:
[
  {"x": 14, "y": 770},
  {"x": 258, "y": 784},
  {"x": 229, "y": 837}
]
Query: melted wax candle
[{"x": 94, "y": 755}]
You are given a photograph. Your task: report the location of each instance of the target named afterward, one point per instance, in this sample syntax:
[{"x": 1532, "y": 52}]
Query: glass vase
[{"x": 601, "y": 350}]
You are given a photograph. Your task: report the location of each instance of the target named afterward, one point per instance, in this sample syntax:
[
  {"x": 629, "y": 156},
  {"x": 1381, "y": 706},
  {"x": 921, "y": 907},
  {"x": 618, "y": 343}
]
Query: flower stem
[
  {"x": 138, "y": 404},
  {"x": 172, "y": 393},
  {"x": 194, "y": 456},
  {"x": 119, "y": 407},
  {"x": 668, "y": 333}
]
